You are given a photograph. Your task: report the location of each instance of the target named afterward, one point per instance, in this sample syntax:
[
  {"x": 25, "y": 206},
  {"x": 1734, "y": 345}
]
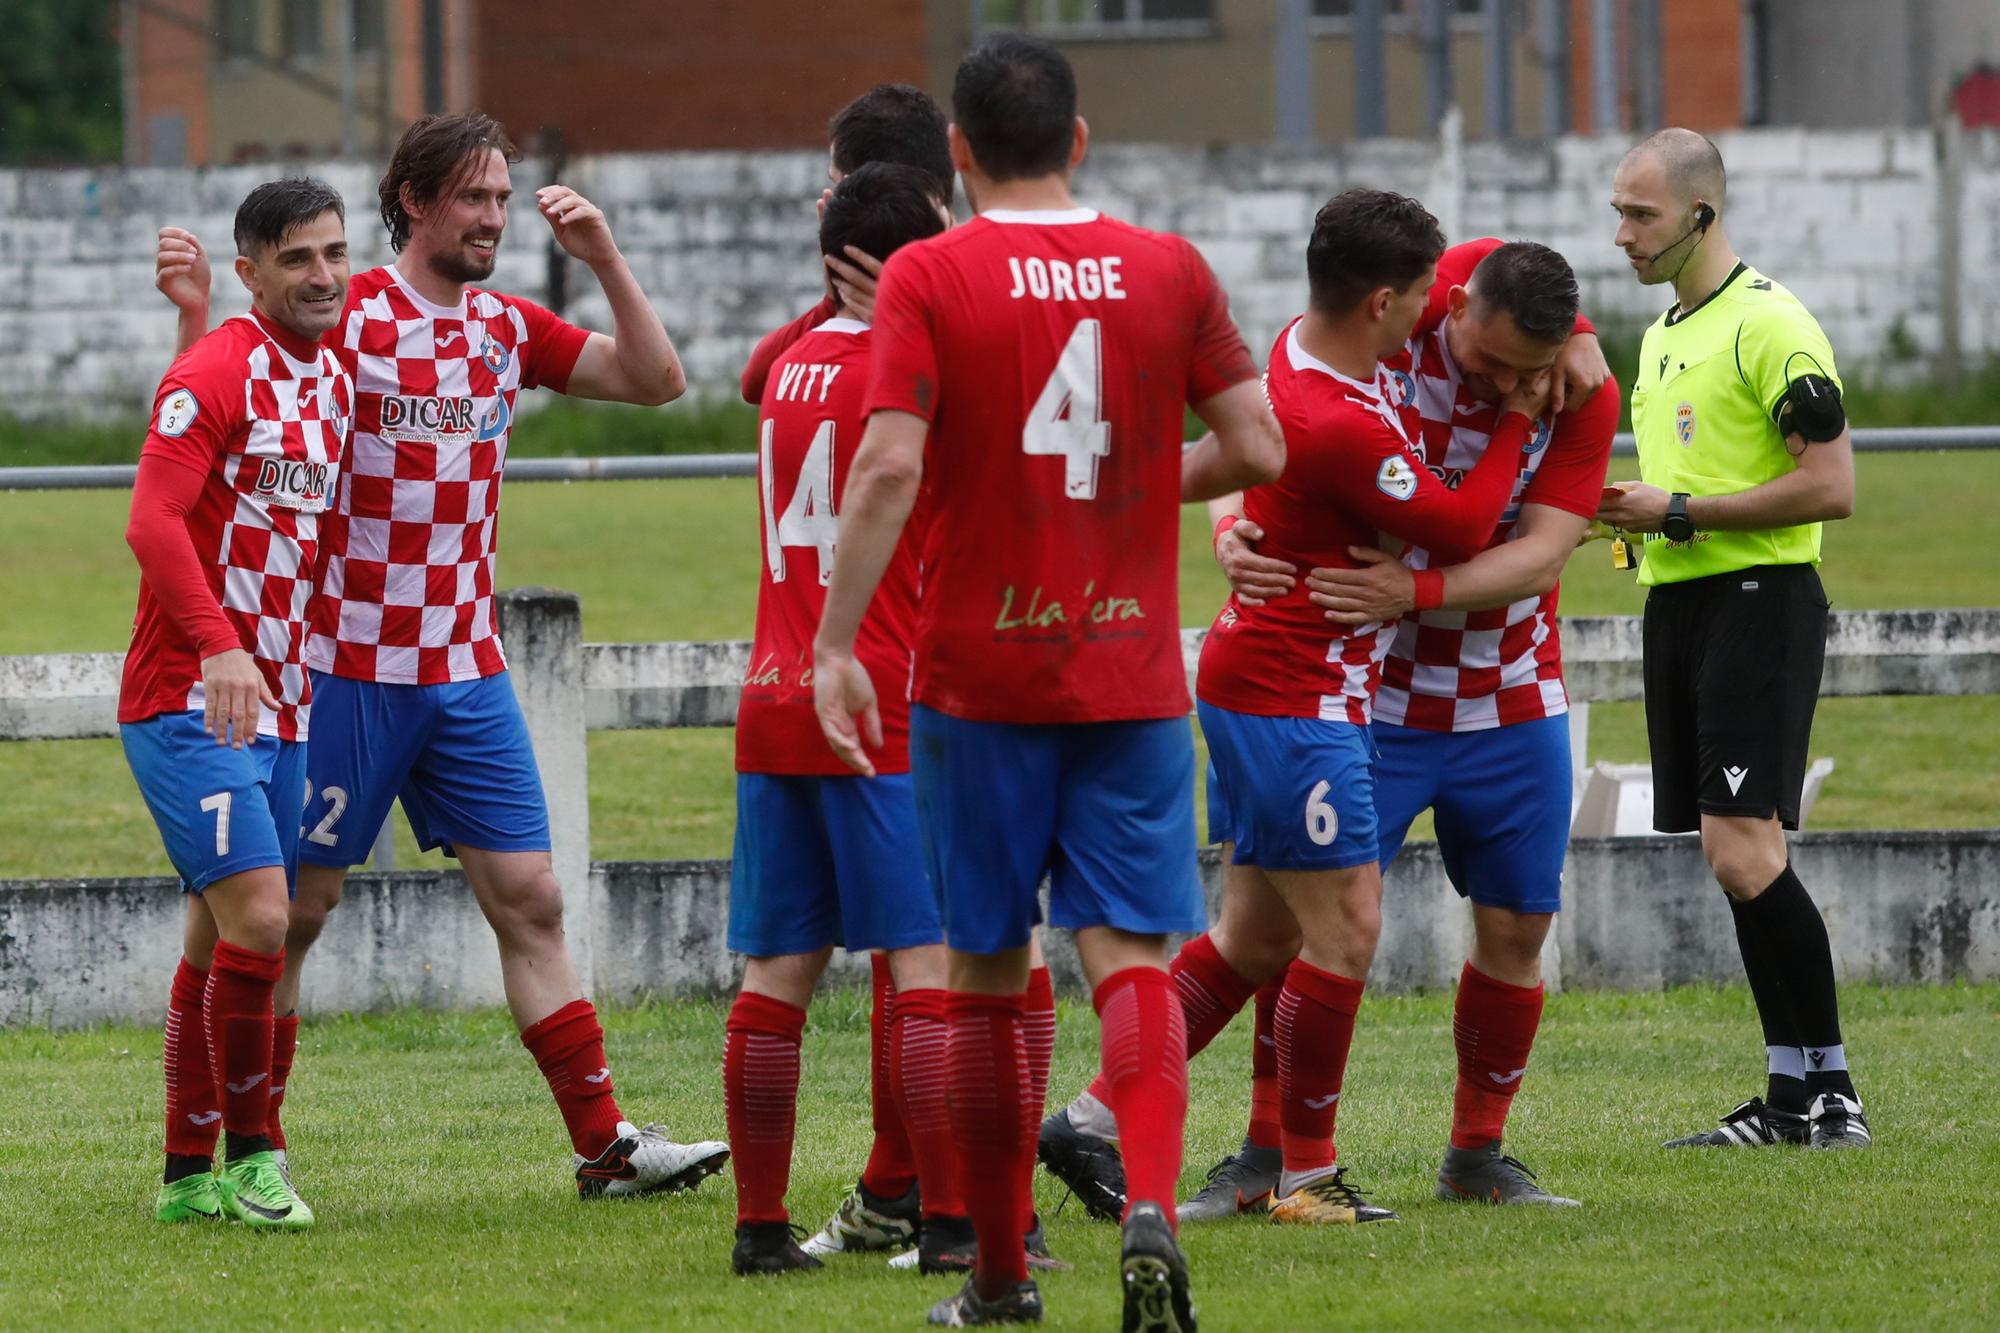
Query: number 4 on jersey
[
  {"x": 809, "y": 519},
  {"x": 1066, "y": 419}
]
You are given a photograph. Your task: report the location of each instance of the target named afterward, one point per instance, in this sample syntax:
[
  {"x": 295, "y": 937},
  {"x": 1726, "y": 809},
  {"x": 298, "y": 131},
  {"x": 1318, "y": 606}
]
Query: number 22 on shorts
[{"x": 1066, "y": 419}]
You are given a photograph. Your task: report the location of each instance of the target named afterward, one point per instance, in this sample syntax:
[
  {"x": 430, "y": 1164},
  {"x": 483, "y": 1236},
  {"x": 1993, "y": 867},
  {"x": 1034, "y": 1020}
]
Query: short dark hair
[
  {"x": 1015, "y": 102},
  {"x": 431, "y": 157},
  {"x": 893, "y": 122},
  {"x": 878, "y": 208},
  {"x": 1533, "y": 285},
  {"x": 269, "y": 213},
  {"x": 1366, "y": 239}
]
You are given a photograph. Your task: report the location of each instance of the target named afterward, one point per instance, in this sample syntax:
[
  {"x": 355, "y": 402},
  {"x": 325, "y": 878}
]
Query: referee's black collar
[{"x": 1676, "y": 315}]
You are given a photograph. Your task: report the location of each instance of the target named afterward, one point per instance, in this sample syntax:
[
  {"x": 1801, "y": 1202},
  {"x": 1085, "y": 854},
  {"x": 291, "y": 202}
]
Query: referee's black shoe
[
  {"x": 1837, "y": 1122},
  {"x": 1751, "y": 1125},
  {"x": 1090, "y": 1166}
]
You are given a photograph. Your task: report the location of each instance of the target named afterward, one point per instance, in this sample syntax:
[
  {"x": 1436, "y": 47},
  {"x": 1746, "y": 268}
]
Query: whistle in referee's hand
[{"x": 1624, "y": 552}]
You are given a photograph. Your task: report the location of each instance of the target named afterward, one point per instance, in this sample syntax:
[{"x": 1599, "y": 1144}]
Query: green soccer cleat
[
  {"x": 195, "y": 1198},
  {"x": 254, "y": 1192}
]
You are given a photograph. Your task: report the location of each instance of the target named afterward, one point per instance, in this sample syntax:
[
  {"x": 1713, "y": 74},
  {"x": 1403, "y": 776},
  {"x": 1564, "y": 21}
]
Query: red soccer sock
[
  {"x": 1144, "y": 1032},
  {"x": 284, "y": 1045},
  {"x": 1315, "y": 1024},
  {"x": 193, "y": 1118},
  {"x": 760, "y": 1091},
  {"x": 892, "y": 1167},
  {"x": 1038, "y": 1035},
  {"x": 568, "y": 1046},
  {"x": 987, "y": 1063},
  {"x": 1264, "y": 1131},
  {"x": 237, "y": 1010},
  {"x": 918, "y": 1045},
  {"x": 1493, "y": 1025},
  {"x": 1212, "y": 993}
]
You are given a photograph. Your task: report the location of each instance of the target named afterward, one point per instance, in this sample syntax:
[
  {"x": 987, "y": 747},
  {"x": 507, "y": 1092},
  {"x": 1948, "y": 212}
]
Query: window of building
[
  {"x": 371, "y": 25},
  {"x": 1103, "y": 18},
  {"x": 236, "y": 28},
  {"x": 1396, "y": 11},
  {"x": 303, "y": 29}
]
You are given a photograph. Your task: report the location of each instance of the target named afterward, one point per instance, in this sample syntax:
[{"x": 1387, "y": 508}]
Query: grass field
[
  {"x": 427, "y": 1147},
  {"x": 677, "y": 560}
]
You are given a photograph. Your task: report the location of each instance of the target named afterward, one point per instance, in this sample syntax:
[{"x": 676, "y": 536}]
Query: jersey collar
[
  {"x": 1042, "y": 217},
  {"x": 841, "y": 324},
  {"x": 297, "y": 350},
  {"x": 1676, "y": 315},
  {"x": 1301, "y": 359},
  {"x": 424, "y": 303}
]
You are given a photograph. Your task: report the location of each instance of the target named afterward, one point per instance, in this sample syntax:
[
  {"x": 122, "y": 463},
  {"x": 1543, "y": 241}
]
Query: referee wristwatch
[{"x": 1677, "y": 526}]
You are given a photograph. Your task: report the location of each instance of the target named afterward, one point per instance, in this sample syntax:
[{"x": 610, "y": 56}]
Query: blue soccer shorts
[
  {"x": 828, "y": 860},
  {"x": 1293, "y": 793},
  {"x": 219, "y": 811},
  {"x": 457, "y": 755},
  {"x": 1104, "y": 810},
  {"x": 1500, "y": 800}
]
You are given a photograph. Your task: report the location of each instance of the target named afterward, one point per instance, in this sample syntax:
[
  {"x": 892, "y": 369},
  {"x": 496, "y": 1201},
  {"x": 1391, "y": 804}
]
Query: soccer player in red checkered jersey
[
  {"x": 249, "y": 427},
  {"x": 1471, "y": 715},
  {"x": 414, "y": 698},
  {"x": 1505, "y": 824},
  {"x": 1031, "y": 370},
  {"x": 1285, "y": 697},
  {"x": 894, "y": 123}
]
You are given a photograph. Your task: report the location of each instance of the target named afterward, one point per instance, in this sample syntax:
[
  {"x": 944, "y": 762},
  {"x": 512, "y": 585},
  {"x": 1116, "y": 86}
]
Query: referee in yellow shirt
[{"x": 1744, "y": 452}]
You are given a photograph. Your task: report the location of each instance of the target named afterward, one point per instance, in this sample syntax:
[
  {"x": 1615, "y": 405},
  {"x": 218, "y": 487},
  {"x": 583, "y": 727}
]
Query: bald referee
[{"x": 1744, "y": 452}]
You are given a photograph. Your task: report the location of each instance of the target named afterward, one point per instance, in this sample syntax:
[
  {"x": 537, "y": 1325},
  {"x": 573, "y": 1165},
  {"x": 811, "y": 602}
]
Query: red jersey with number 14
[
  {"x": 1053, "y": 353},
  {"x": 809, "y": 425}
]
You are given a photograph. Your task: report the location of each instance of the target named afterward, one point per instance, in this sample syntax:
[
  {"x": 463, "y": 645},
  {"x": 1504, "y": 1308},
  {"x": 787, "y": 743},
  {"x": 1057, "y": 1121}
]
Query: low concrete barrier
[{"x": 1641, "y": 913}]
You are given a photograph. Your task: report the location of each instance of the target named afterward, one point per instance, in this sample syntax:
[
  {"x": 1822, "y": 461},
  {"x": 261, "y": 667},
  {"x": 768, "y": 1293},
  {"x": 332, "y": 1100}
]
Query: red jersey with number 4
[
  {"x": 1351, "y": 471},
  {"x": 809, "y": 426},
  {"x": 265, "y": 416},
  {"x": 1053, "y": 353}
]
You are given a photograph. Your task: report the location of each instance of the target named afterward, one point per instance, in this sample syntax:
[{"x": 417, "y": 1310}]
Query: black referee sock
[
  {"x": 1795, "y": 934},
  {"x": 1774, "y": 1010}
]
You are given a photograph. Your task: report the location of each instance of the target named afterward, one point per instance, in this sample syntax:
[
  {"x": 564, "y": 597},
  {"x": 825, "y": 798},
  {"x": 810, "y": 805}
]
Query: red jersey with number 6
[
  {"x": 1053, "y": 353},
  {"x": 809, "y": 426}
]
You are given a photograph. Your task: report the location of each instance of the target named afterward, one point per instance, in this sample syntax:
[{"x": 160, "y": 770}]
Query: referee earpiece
[{"x": 1704, "y": 218}]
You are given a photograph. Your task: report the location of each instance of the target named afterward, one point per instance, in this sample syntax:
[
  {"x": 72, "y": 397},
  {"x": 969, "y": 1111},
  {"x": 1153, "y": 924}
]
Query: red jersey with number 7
[
  {"x": 809, "y": 424},
  {"x": 1053, "y": 353}
]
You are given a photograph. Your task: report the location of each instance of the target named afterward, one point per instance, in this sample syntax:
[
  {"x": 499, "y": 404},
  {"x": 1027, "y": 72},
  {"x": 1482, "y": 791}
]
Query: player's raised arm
[
  {"x": 636, "y": 363},
  {"x": 181, "y": 272}
]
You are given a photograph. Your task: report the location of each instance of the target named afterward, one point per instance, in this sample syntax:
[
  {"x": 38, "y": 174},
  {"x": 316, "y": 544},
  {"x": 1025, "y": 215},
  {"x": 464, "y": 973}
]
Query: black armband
[{"x": 1811, "y": 410}]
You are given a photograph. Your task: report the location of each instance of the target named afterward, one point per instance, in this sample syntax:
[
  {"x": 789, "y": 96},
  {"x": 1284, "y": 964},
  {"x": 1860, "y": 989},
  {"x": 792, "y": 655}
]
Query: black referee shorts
[{"x": 1732, "y": 671}]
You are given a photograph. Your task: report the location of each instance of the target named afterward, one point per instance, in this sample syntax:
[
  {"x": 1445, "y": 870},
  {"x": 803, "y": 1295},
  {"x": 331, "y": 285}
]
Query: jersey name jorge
[{"x": 1702, "y": 411}]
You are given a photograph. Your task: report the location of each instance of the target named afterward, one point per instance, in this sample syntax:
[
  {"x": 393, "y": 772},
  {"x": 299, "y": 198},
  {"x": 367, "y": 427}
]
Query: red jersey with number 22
[
  {"x": 809, "y": 425},
  {"x": 1053, "y": 353}
]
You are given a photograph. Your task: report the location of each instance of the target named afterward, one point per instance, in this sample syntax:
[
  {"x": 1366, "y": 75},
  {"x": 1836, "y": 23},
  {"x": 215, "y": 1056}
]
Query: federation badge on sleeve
[
  {"x": 177, "y": 412},
  {"x": 1396, "y": 478},
  {"x": 1684, "y": 423}
]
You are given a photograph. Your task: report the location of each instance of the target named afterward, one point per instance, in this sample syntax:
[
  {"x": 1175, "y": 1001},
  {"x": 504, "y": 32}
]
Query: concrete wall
[
  {"x": 723, "y": 242},
  {"x": 1642, "y": 913}
]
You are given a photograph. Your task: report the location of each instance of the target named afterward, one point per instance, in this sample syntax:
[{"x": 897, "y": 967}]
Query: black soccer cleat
[
  {"x": 1484, "y": 1175},
  {"x": 1751, "y": 1125},
  {"x": 1837, "y": 1122},
  {"x": 765, "y": 1249},
  {"x": 946, "y": 1245},
  {"x": 1090, "y": 1166},
  {"x": 1155, "y": 1276},
  {"x": 1019, "y": 1304}
]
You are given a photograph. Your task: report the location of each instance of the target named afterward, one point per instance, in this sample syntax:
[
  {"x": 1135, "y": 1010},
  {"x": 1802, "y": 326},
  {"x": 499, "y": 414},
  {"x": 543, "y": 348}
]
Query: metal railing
[{"x": 636, "y": 467}]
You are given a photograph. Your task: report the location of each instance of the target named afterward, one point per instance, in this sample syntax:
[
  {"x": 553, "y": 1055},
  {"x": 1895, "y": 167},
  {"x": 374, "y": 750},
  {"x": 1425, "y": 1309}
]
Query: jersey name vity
[
  {"x": 1059, "y": 280},
  {"x": 797, "y": 381}
]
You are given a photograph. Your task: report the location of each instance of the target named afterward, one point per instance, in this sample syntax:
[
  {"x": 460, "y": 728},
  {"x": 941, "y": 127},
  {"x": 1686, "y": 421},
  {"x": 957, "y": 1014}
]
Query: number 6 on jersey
[{"x": 1066, "y": 417}]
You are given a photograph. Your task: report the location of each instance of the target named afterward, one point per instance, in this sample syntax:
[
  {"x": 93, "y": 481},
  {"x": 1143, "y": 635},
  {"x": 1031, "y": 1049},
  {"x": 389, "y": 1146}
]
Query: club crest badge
[
  {"x": 1684, "y": 423},
  {"x": 1540, "y": 439},
  {"x": 493, "y": 354}
]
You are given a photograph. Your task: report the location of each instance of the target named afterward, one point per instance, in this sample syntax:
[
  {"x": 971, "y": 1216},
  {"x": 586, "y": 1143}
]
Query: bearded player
[
  {"x": 248, "y": 431},
  {"x": 1047, "y": 355},
  {"x": 414, "y": 699}
]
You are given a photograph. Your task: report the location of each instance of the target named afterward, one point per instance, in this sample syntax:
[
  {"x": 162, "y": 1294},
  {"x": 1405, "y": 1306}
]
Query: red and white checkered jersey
[
  {"x": 1054, "y": 353},
  {"x": 265, "y": 415},
  {"x": 1351, "y": 471},
  {"x": 406, "y": 596},
  {"x": 810, "y": 424},
  {"x": 1471, "y": 670}
]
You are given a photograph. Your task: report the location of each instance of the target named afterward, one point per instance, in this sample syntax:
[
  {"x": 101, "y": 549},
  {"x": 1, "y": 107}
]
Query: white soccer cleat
[{"x": 646, "y": 1161}]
